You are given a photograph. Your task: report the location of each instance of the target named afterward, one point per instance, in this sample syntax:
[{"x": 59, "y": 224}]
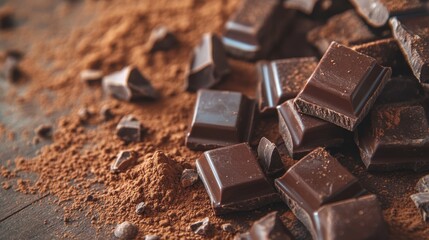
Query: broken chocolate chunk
[
  {"x": 91, "y": 76},
  {"x": 43, "y": 131},
  {"x": 129, "y": 129},
  {"x": 128, "y": 84},
  {"x": 255, "y": 28},
  {"x": 220, "y": 118},
  {"x": 317, "y": 179},
  {"x": 352, "y": 219},
  {"x": 343, "y": 87},
  {"x": 140, "y": 208},
  {"x": 209, "y": 64},
  {"x": 234, "y": 180},
  {"x": 268, "y": 227},
  {"x": 346, "y": 28},
  {"x": 412, "y": 34},
  {"x": 303, "y": 133},
  {"x": 377, "y": 12},
  {"x": 105, "y": 113},
  {"x": 270, "y": 158},
  {"x": 161, "y": 39},
  {"x": 202, "y": 227},
  {"x": 189, "y": 177},
  {"x": 124, "y": 160},
  {"x": 126, "y": 231},
  {"x": 421, "y": 200},
  {"x": 281, "y": 80},
  {"x": 423, "y": 184}
]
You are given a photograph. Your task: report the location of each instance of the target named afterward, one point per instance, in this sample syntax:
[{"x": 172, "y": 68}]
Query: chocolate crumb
[
  {"x": 124, "y": 160},
  {"x": 126, "y": 230},
  {"x": 189, "y": 177},
  {"x": 43, "y": 131},
  {"x": 140, "y": 208},
  {"x": 228, "y": 227},
  {"x": 91, "y": 77},
  {"x": 90, "y": 198},
  {"x": 84, "y": 114},
  {"x": 105, "y": 113},
  {"x": 129, "y": 129},
  {"x": 161, "y": 39},
  {"x": 202, "y": 227}
]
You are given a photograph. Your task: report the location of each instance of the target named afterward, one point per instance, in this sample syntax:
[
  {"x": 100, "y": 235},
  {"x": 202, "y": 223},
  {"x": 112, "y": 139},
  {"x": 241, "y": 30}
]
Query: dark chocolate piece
[
  {"x": 343, "y": 87},
  {"x": 209, "y": 64},
  {"x": 234, "y": 180},
  {"x": 129, "y": 129},
  {"x": 387, "y": 53},
  {"x": 317, "y": 179},
  {"x": 423, "y": 184},
  {"x": 123, "y": 161},
  {"x": 269, "y": 227},
  {"x": 281, "y": 80},
  {"x": 189, "y": 177},
  {"x": 161, "y": 39},
  {"x": 105, "y": 113},
  {"x": 128, "y": 84},
  {"x": 401, "y": 89},
  {"x": 91, "y": 76},
  {"x": 255, "y": 28},
  {"x": 352, "y": 219},
  {"x": 140, "y": 208},
  {"x": 421, "y": 200},
  {"x": 11, "y": 70},
  {"x": 6, "y": 18},
  {"x": 220, "y": 118},
  {"x": 377, "y": 12},
  {"x": 44, "y": 131},
  {"x": 305, "y": 6},
  {"x": 394, "y": 137},
  {"x": 84, "y": 114},
  {"x": 346, "y": 28},
  {"x": 202, "y": 227},
  {"x": 269, "y": 157},
  {"x": 412, "y": 34},
  {"x": 303, "y": 133}
]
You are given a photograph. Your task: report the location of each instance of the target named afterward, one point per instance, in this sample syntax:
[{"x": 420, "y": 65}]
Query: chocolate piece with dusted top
[
  {"x": 255, "y": 28},
  {"x": 343, "y": 87},
  {"x": 281, "y": 80},
  {"x": 234, "y": 180},
  {"x": 209, "y": 64},
  {"x": 220, "y": 118},
  {"x": 303, "y": 133}
]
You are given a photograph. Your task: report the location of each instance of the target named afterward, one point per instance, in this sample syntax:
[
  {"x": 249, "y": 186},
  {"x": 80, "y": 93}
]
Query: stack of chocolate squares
[{"x": 367, "y": 88}]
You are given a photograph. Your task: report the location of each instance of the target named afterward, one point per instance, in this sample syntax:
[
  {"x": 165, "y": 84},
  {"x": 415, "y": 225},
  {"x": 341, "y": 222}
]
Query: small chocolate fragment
[
  {"x": 303, "y": 133},
  {"x": 91, "y": 76},
  {"x": 395, "y": 136},
  {"x": 421, "y": 200},
  {"x": 234, "y": 180},
  {"x": 128, "y": 84},
  {"x": 202, "y": 227},
  {"x": 11, "y": 70},
  {"x": 401, "y": 89},
  {"x": 352, "y": 219},
  {"x": 6, "y": 18},
  {"x": 124, "y": 160},
  {"x": 346, "y": 28},
  {"x": 129, "y": 129},
  {"x": 423, "y": 184},
  {"x": 220, "y": 118},
  {"x": 105, "y": 113},
  {"x": 305, "y": 6},
  {"x": 209, "y": 64},
  {"x": 161, "y": 39},
  {"x": 43, "y": 131},
  {"x": 84, "y": 114},
  {"x": 343, "y": 87},
  {"x": 412, "y": 34},
  {"x": 269, "y": 227},
  {"x": 377, "y": 12},
  {"x": 255, "y": 28},
  {"x": 387, "y": 53},
  {"x": 270, "y": 158},
  {"x": 90, "y": 198},
  {"x": 140, "y": 208},
  {"x": 189, "y": 177},
  {"x": 228, "y": 227},
  {"x": 317, "y": 179},
  {"x": 282, "y": 80},
  {"x": 126, "y": 231}
]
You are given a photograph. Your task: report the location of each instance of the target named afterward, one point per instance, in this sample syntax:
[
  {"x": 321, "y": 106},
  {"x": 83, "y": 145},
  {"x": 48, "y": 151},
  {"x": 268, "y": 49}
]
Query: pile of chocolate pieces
[{"x": 368, "y": 87}]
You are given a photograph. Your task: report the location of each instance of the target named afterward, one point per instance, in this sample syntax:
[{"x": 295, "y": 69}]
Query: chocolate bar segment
[
  {"x": 268, "y": 227},
  {"x": 346, "y": 28},
  {"x": 234, "y": 180},
  {"x": 220, "y": 118},
  {"x": 255, "y": 28},
  {"x": 412, "y": 34},
  {"x": 281, "y": 80},
  {"x": 377, "y": 12},
  {"x": 352, "y": 219},
  {"x": 343, "y": 87},
  {"x": 209, "y": 64},
  {"x": 303, "y": 133},
  {"x": 395, "y": 136},
  {"x": 317, "y": 179},
  {"x": 401, "y": 89}
]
